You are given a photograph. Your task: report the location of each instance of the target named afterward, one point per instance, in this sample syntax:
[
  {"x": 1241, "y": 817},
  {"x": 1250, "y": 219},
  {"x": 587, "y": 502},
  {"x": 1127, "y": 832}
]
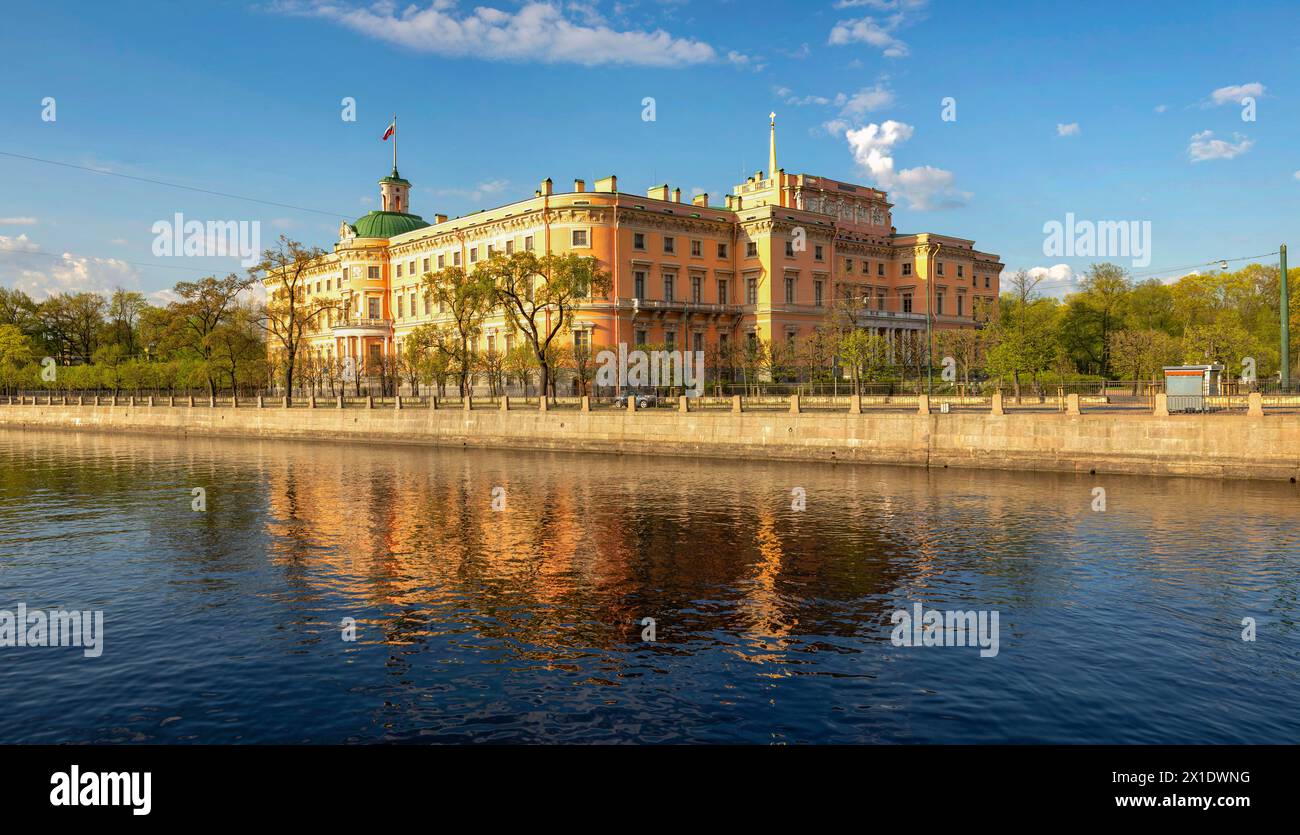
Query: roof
[{"x": 386, "y": 224}]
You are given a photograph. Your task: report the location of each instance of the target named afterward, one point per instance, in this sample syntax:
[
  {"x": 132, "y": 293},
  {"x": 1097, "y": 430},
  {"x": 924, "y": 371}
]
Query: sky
[{"x": 984, "y": 120}]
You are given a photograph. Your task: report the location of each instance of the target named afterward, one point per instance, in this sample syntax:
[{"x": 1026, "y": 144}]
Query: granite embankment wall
[{"x": 1217, "y": 445}]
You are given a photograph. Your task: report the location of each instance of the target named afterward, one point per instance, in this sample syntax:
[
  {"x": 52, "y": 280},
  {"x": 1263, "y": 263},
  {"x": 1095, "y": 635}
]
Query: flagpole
[{"x": 394, "y": 143}]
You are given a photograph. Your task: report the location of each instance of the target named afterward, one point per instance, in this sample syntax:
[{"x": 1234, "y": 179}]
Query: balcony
[{"x": 358, "y": 326}]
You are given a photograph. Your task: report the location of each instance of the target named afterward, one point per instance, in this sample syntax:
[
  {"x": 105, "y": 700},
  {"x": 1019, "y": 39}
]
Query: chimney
[
  {"x": 580, "y": 186},
  {"x": 658, "y": 192},
  {"x": 700, "y": 200},
  {"x": 758, "y": 175},
  {"x": 546, "y": 187},
  {"x": 439, "y": 218},
  {"x": 677, "y": 195},
  {"x": 609, "y": 184}
]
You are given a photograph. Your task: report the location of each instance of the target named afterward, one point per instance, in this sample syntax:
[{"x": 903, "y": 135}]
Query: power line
[
  {"x": 170, "y": 185},
  {"x": 97, "y": 258}
]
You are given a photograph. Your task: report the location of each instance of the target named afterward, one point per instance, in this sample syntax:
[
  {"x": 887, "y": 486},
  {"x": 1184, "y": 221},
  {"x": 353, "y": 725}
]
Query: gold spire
[{"x": 771, "y": 153}]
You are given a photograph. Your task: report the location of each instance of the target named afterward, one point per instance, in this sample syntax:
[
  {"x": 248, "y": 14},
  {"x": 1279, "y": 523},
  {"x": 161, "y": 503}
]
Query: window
[
  {"x": 848, "y": 265},
  {"x": 880, "y": 268},
  {"x": 473, "y": 255},
  {"x": 528, "y": 244},
  {"x": 722, "y": 291},
  {"x": 697, "y": 340},
  {"x": 579, "y": 237},
  {"x": 424, "y": 265},
  {"x": 491, "y": 250},
  {"x": 697, "y": 249},
  {"x": 907, "y": 302},
  {"x": 581, "y": 342},
  {"x": 789, "y": 291},
  {"x": 455, "y": 258},
  {"x": 670, "y": 340},
  {"x": 413, "y": 304},
  {"x": 751, "y": 291},
  {"x": 938, "y": 265},
  {"x": 789, "y": 249},
  {"x": 817, "y": 293},
  {"x": 410, "y": 267},
  {"x": 638, "y": 284},
  {"x": 372, "y": 273},
  {"x": 938, "y": 303},
  {"x": 327, "y": 284},
  {"x": 668, "y": 286},
  {"x": 751, "y": 249},
  {"x": 880, "y": 300},
  {"x": 817, "y": 252},
  {"x": 907, "y": 269},
  {"x": 399, "y": 270},
  {"x": 345, "y": 273},
  {"x": 670, "y": 245},
  {"x": 510, "y": 247},
  {"x": 373, "y": 304},
  {"x": 697, "y": 289},
  {"x": 642, "y": 338},
  {"x": 638, "y": 240},
  {"x": 442, "y": 261},
  {"x": 400, "y": 314},
  {"x": 961, "y": 270},
  {"x": 986, "y": 282},
  {"x": 960, "y": 304},
  {"x": 426, "y": 305},
  {"x": 722, "y": 250}
]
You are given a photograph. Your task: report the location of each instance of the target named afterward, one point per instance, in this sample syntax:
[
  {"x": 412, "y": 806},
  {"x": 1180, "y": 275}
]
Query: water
[{"x": 523, "y": 625}]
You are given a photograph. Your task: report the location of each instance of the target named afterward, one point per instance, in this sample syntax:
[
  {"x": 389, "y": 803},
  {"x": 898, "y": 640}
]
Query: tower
[{"x": 394, "y": 193}]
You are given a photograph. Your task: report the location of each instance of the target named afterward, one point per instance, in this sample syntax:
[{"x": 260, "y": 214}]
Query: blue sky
[{"x": 1099, "y": 109}]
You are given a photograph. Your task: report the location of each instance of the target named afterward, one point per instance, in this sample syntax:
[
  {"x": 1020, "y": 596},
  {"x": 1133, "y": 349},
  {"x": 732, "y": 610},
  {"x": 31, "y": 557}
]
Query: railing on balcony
[{"x": 359, "y": 322}]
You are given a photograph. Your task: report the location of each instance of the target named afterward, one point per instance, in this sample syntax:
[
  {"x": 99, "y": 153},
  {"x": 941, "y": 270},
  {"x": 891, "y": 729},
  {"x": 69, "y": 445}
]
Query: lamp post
[
  {"x": 1286, "y": 322},
  {"x": 929, "y": 307}
]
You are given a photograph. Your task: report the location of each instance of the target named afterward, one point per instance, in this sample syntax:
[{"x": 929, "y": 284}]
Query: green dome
[{"x": 387, "y": 224}]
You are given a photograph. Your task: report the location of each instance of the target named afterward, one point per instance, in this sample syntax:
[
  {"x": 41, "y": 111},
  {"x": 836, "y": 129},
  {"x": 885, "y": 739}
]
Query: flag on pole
[{"x": 391, "y": 128}]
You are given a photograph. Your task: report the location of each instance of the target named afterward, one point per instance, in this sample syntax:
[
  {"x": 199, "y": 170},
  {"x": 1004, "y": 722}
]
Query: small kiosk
[{"x": 1187, "y": 386}]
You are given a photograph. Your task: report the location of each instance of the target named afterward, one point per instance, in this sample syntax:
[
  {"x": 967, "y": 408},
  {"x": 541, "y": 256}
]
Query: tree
[
  {"x": 288, "y": 315},
  {"x": 469, "y": 297},
  {"x": 1023, "y": 334},
  {"x": 1141, "y": 354},
  {"x": 866, "y": 353},
  {"x": 239, "y": 345},
  {"x": 15, "y": 354},
  {"x": 965, "y": 346},
  {"x": 124, "y": 309},
  {"x": 203, "y": 308},
  {"x": 1105, "y": 287},
  {"x": 539, "y": 296}
]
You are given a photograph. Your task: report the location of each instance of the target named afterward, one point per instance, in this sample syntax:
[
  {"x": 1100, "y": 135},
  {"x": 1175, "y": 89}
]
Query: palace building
[{"x": 768, "y": 264}]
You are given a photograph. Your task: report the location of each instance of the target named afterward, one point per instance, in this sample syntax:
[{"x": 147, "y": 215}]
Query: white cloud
[
  {"x": 1234, "y": 93},
  {"x": 118, "y": 241},
  {"x": 1058, "y": 280},
  {"x": 866, "y": 100},
  {"x": 1161, "y": 108},
  {"x": 537, "y": 31},
  {"x": 486, "y": 188},
  {"x": 1297, "y": 175},
  {"x": 1072, "y": 129},
  {"x": 877, "y": 32},
  {"x": 47, "y": 273},
  {"x": 1204, "y": 146},
  {"x": 836, "y": 127},
  {"x": 17, "y": 221},
  {"x": 924, "y": 187}
]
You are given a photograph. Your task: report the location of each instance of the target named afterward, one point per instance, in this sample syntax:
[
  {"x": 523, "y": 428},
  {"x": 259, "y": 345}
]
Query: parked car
[{"x": 644, "y": 400}]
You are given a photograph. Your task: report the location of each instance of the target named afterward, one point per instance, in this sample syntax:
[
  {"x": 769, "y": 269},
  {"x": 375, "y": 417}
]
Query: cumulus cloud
[
  {"x": 924, "y": 187},
  {"x": 1058, "y": 280},
  {"x": 856, "y": 105},
  {"x": 41, "y": 274},
  {"x": 1072, "y": 129},
  {"x": 17, "y": 221},
  {"x": 874, "y": 31},
  {"x": 1234, "y": 93},
  {"x": 536, "y": 31},
  {"x": 1161, "y": 108},
  {"x": 1297, "y": 175},
  {"x": 1204, "y": 146}
]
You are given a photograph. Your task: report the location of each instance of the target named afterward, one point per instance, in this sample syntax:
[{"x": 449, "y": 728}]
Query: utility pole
[{"x": 1286, "y": 325}]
